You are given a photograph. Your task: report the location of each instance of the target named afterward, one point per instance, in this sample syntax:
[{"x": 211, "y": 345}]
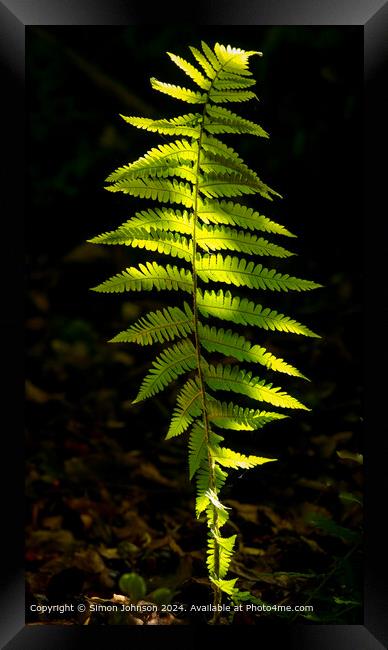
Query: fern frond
[
  {"x": 199, "y": 172},
  {"x": 165, "y": 243},
  {"x": 240, "y": 272},
  {"x": 233, "y": 59},
  {"x": 225, "y": 546},
  {"x": 204, "y": 482},
  {"x": 191, "y": 71},
  {"x": 238, "y": 215},
  {"x": 213, "y": 498},
  {"x": 166, "y": 170},
  {"x": 213, "y": 60},
  {"x": 158, "y": 326},
  {"x": 188, "y": 407},
  {"x": 157, "y": 189},
  {"x": 187, "y": 125},
  {"x": 222, "y": 513},
  {"x": 153, "y": 163},
  {"x": 222, "y": 237},
  {"x": 177, "y": 92},
  {"x": 197, "y": 448},
  {"x": 229, "y": 458},
  {"x": 231, "y": 416},
  {"x": 232, "y": 344},
  {"x": 232, "y": 82},
  {"x": 218, "y": 148},
  {"x": 171, "y": 363},
  {"x": 244, "y": 312},
  {"x": 225, "y": 163},
  {"x": 203, "y": 62},
  {"x": 233, "y": 378},
  {"x": 221, "y": 120},
  {"x": 146, "y": 277},
  {"x": 226, "y": 586},
  {"x": 159, "y": 219},
  {"x": 163, "y": 219},
  {"x": 214, "y": 185},
  {"x": 218, "y": 185},
  {"x": 223, "y": 96}
]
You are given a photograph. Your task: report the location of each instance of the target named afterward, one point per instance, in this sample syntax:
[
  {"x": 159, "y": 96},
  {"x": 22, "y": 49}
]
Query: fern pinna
[{"x": 209, "y": 238}]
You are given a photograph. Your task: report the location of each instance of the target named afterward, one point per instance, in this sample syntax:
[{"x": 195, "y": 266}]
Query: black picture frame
[{"x": 372, "y": 18}]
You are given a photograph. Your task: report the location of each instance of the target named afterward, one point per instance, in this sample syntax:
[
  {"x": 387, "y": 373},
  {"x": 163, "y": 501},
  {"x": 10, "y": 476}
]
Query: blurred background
[{"x": 107, "y": 495}]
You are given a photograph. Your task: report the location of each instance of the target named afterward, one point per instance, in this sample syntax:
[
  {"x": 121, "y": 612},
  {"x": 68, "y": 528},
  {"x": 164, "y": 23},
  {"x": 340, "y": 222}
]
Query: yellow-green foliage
[{"x": 208, "y": 238}]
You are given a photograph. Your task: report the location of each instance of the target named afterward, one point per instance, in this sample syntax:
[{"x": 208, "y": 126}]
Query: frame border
[{"x": 15, "y": 16}]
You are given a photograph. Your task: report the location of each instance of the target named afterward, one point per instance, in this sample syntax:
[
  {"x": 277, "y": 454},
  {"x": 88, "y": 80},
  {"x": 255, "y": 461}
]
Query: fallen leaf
[
  {"x": 249, "y": 550},
  {"x": 150, "y": 472},
  {"x": 48, "y": 541},
  {"x": 350, "y": 455},
  {"x": 40, "y": 396},
  {"x": 247, "y": 511}
]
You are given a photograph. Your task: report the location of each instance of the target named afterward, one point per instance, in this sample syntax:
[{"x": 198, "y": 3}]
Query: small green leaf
[
  {"x": 133, "y": 585},
  {"x": 161, "y": 596},
  {"x": 330, "y": 527}
]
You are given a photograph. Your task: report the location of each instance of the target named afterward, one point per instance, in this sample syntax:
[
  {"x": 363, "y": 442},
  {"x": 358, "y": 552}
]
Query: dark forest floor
[{"x": 107, "y": 495}]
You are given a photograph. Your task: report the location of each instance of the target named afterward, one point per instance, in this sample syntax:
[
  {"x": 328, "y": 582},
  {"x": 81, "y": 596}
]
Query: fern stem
[{"x": 212, "y": 479}]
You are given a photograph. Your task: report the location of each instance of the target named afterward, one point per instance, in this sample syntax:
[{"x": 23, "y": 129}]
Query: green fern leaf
[
  {"x": 228, "y": 458},
  {"x": 218, "y": 165},
  {"x": 171, "y": 363},
  {"x": 158, "y": 326},
  {"x": 157, "y": 219},
  {"x": 177, "y": 92},
  {"x": 224, "y": 96},
  {"x": 231, "y": 416},
  {"x": 214, "y": 146},
  {"x": 165, "y": 243},
  {"x": 191, "y": 71},
  {"x": 160, "y": 219},
  {"x": 164, "y": 170},
  {"x": 232, "y": 82},
  {"x": 238, "y": 215},
  {"x": 157, "y": 189},
  {"x": 180, "y": 152},
  {"x": 189, "y": 406},
  {"x": 221, "y": 237},
  {"x": 203, "y": 62},
  {"x": 163, "y": 219},
  {"x": 148, "y": 276},
  {"x": 244, "y": 312},
  {"x": 213, "y": 60},
  {"x": 232, "y": 344},
  {"x": 222, "y": 515},
  {"x": 226, "y": 586},
  {"x": 225, "y": 546},
  {"x": 216, "y": 185},
  {"x": 221, "y": 164},
  {"x": 233, "y": 59},
  {"x": 213, "y": 498},
  {"x": 197, "y": 448},
  {"x": 240, "y": 272},
  {"x": 204, "y": 482},
  {"x": 188, "y": 125},
  {"x": 233, "y": 378},
  {"x": 220, "y": 120}
]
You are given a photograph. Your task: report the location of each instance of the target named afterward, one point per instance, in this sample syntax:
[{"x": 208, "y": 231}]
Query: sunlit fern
[{"x": 208, "y": 234}]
